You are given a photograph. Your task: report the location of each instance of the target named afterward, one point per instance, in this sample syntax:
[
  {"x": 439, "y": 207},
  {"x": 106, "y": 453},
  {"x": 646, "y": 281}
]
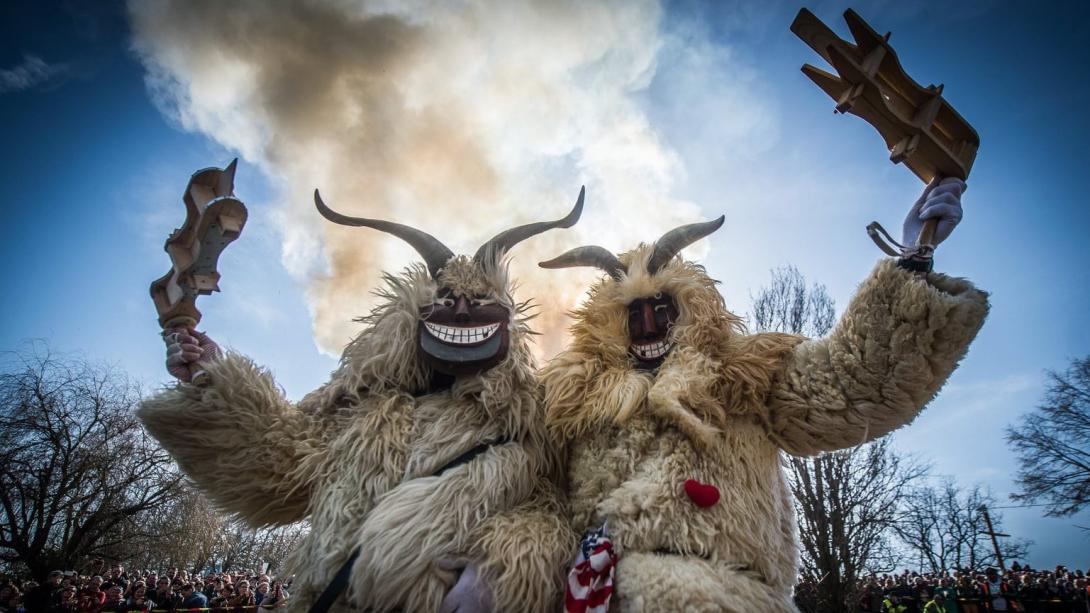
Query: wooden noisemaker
[
  {"x": 213, "y": 219},
  {"x": 919, "y": 126}
]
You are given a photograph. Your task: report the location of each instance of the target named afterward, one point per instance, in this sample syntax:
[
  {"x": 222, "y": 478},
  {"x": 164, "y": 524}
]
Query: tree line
[{"x": 80, "y": 479}]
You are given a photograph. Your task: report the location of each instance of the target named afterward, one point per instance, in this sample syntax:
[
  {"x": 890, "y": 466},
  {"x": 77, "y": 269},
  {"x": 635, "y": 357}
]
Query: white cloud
[
  {"x": 32, "y": 72},
  {"x": 459, "y": 118}
]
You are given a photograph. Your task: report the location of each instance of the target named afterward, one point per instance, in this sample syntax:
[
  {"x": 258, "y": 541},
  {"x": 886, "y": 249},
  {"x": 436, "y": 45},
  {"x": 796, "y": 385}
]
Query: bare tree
[
  {"x": 944, "y": 528},
  {"x": 248, "y": 548},
  {"x": 787, "y": 305},
  {"x": 845, "y": 501},
  {"x": 76, "y": 469},
  {"x": 1053, "y": 444},
  {"x": 188, "y": 532}
]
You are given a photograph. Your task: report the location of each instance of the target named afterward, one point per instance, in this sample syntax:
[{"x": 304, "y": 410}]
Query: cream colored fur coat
[
  {"x": 357, "y": 456},
  {"x": 720, "y": 410}
]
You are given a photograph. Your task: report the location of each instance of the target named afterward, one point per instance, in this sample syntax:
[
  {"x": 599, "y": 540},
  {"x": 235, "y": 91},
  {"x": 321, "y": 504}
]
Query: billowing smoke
[{"x": 459, "y": 118}]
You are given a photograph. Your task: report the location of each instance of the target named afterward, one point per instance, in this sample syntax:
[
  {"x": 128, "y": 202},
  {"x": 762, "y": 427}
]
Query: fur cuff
[{"x": 524, "y": 557}]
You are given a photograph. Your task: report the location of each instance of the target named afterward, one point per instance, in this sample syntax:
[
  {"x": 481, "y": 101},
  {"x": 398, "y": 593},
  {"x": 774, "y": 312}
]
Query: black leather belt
[{"x": 340, "y": 580}]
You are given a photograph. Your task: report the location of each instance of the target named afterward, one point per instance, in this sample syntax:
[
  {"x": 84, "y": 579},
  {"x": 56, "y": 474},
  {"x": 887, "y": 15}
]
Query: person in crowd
[
  {"x": 969, "y": 595},
  {"x": 871, "y": 599},
  {"x": 42, "y": 598},
  {"x": 223, "y": 598},
  {"x": 162, "y": 593},
  {"x": 191, "y": 598},
  {"x": 243, "y": 596},
  {"x": 138, "y": 600},
  {"x": 12, "y": 601},
  {"x": 995, "y": 590},
  {"x": 905, "y": 591},
  {"x": 91, "y": 598},
  {"x": 114, "y": 600},
  {"x": 261, "y": 590},
  {"x": 934, "y": 604},
  {"x": 949, "y": 595},
  {"x": 892, "y": 604},
  {"x": 805, "y": 594},
  {"x": 276, "y": 598},
  {"x": 116, "y": 576},
  {"x": 66, "y": 602}
]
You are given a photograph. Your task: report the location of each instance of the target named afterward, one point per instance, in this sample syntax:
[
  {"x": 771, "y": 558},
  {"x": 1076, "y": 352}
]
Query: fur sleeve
[
  {"x": 239, "y": 439},
  {"x": 525, "y": 555},
  {"x": 899, "y": 340}
]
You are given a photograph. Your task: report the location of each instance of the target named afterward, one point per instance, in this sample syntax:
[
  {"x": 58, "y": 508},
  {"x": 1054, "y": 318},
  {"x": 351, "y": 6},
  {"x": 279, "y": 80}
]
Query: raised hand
[
  {"x": 941, "y": 200},
  {"x": 186, "y": 347}
]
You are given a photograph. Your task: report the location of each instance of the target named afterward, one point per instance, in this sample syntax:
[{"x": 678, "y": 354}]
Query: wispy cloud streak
[{"x": 32, "y": 72}]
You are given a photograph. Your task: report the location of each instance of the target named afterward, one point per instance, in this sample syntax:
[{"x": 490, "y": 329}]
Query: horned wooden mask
[
  {"x": 464, "y": 331},
  {"x": 650, "y": 317}
]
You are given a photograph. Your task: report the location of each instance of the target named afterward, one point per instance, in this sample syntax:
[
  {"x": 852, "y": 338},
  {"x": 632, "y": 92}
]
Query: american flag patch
[{"x": 590, "y": 580}]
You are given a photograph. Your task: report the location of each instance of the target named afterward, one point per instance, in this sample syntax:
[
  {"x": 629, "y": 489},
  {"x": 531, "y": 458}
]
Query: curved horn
[
  {"x": 509, "y": 238},
  {"x": 435, "y": 253},
  {"x": 679, "y": 238},
  {"x": 591, "y": 255}
]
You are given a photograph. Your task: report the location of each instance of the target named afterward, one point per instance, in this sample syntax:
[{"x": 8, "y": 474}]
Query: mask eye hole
[
  {"x": 481, "y": 301},
  {"x": 661, "y": 307},
  {"x": 444, "y": 297}
]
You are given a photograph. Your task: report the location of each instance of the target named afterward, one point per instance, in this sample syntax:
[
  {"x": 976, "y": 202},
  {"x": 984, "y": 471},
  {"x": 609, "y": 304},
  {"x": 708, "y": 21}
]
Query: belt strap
[
  {"x": 470, "y": 455},
  {"x": 336, "y": 586}
]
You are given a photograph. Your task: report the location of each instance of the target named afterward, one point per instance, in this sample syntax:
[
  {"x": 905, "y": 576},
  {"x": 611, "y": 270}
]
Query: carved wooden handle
[
  {"x": 927, "y": 232},
  {"x": 214, "y": 218}
]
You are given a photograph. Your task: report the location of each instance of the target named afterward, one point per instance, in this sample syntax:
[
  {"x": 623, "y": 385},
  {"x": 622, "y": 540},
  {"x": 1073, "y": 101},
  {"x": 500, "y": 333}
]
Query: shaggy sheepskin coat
[
  {"x": 358, "y": 458},
  {"x": 720, "y": 410}
]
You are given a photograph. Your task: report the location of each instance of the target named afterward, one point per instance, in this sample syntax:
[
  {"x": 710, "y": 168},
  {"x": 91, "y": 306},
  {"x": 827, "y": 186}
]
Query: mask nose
[
  {"x": 461, "y": 310},
  {"x": 650, "y": 330}
]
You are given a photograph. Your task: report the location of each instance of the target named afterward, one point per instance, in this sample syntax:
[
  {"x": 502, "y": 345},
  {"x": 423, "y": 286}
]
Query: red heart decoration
[{"x": 703, "y": 495}]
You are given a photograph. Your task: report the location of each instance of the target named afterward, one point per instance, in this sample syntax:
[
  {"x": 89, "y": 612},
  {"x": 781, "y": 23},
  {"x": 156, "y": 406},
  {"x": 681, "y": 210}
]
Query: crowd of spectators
[
  {"x": 1020, "y": 589},
  {"x": 113, "y": 590}
]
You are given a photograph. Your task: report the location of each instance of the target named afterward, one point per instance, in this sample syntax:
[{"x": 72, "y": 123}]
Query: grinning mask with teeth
[
  {"x": 466, "y": 328},
  {"x": 649, "y": 323}
]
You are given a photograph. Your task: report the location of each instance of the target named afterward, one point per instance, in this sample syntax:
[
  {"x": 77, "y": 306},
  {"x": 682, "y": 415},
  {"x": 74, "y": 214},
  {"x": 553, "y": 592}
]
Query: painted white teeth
[
  {"x": 459, "y": 335},
  {"x": 651, "y": 351}
]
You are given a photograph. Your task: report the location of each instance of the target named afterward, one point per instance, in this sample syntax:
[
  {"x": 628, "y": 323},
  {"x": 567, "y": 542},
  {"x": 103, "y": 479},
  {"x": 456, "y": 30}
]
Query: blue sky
[{"x": 94, "y": 165}]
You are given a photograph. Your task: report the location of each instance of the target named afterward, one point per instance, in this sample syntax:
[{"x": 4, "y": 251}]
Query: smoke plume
[{"x": 459, "y": 118}]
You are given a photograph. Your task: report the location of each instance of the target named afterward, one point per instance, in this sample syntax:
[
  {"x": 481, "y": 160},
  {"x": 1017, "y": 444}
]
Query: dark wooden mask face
[
  {"x": 463, "y": 335},
  {"x": 649, "y": 323}
]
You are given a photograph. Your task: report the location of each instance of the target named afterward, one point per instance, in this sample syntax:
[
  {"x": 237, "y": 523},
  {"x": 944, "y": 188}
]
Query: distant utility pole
[{"x": 992, "y": 533}]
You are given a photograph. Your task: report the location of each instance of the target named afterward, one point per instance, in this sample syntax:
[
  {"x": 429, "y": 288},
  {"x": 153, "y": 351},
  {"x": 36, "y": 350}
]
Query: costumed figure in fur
[
  {"x": 423, "y": 465},
  {"x": 675, "y": 417}
]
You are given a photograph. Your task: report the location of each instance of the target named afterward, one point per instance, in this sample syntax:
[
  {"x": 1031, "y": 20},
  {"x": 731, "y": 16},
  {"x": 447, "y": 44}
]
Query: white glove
[
  {"x": 187, "y": 346},
  {"x": 940, "y": 199},
  {"x": 469, "y": 595}
]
